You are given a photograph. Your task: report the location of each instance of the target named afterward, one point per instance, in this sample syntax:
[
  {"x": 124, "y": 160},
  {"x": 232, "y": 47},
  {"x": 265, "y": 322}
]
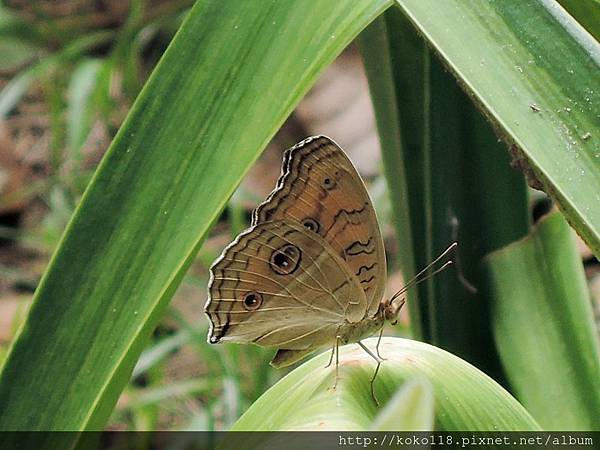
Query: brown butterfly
[{"x": 311, "y": 269}]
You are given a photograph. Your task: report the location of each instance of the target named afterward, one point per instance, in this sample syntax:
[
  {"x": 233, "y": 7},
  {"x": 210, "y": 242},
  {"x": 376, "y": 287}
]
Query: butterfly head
[{"x": 390, "y": 308}]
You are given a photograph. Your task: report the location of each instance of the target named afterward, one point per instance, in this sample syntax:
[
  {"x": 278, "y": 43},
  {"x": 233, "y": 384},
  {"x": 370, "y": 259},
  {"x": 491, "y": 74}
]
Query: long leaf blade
[
  {"x": 218, "y": 95},
  {"x": 410, "y": 409},
  {"x": 441, "y": 175},
  {"x": 535, "y": 72},
  {"x": 544, "y": 327}
]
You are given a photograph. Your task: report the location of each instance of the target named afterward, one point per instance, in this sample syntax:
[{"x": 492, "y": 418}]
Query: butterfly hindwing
[{"x": 279, "y": 285}]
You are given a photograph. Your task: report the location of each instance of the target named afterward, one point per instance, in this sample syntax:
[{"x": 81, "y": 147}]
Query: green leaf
[
  {"x": 15, "y": 52},
  {"x": 451, "y": 161},
  {"x": 18, "y": 85},
  {"x": 160, "y": 351},
  {"x": 80, "y": 106},
  {"x": 465, "y": 398},
  {"x": 409, "y": 409},
  {"x": 141, "y": 398},
  {"x": 386, "y": 93},
  {"x": 12, "y": 92},
  {"x": 544, "y": 327},
  {"x": 216, "y": 98},
  {"x": 587, "y": 13},
  {"x": 534, "y": 72},
  {"x": 12, "y": 26}
]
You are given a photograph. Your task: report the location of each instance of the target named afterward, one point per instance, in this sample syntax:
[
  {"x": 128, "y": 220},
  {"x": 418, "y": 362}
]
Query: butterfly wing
[
  {"x": 320, "y": 189},
  {"x": 281, "y": 285}
]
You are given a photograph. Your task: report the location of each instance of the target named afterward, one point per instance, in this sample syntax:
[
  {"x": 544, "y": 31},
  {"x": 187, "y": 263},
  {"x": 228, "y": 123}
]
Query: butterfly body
[
  {"x": 354, "y": 332},
  {"x": 310, "y": 271}
]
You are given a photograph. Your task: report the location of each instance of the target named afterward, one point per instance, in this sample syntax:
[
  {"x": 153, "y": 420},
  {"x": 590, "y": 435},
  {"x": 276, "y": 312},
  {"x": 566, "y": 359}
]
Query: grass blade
[
  {"x": 410, "y": 409},
  {"x": 534, "y": 71},
  {"x": 386, "y": 93},
  {"x": 544, "y": 328},
  {"x": 216, "y": 98},
  {"x": 449, "y": 162},
  {"x": 14, "y": 90},
  {"x": 587, "y": 13}
]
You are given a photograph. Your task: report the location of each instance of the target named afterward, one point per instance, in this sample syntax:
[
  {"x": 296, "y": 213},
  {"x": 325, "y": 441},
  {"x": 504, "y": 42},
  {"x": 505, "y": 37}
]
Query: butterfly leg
[
  {"x": 337, "y": 360},
  {"x": 373, "y": 383},
  {"x": 379, "y": 342},
  {"x": 379, "y": 361},
  {"x": 334, "y": 348},
  {"x": 332, "y": 352}
]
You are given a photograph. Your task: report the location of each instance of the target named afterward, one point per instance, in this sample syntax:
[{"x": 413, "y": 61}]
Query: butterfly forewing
[
  {"x": 320, "y": 189},
  {"x": 279, "y": 285}
]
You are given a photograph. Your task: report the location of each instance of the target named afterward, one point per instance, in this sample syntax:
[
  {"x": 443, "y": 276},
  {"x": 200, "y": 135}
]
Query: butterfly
[{"x": 310, "y": 271}]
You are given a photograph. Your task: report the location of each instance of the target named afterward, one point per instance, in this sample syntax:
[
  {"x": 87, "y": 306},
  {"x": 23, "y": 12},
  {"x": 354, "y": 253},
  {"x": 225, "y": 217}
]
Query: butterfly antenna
[{"x": 418, "y": 278}]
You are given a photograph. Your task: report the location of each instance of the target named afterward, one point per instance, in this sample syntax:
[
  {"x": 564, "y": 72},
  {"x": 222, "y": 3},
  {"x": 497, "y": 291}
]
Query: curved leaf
[{"x": 465, "y": 398}]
